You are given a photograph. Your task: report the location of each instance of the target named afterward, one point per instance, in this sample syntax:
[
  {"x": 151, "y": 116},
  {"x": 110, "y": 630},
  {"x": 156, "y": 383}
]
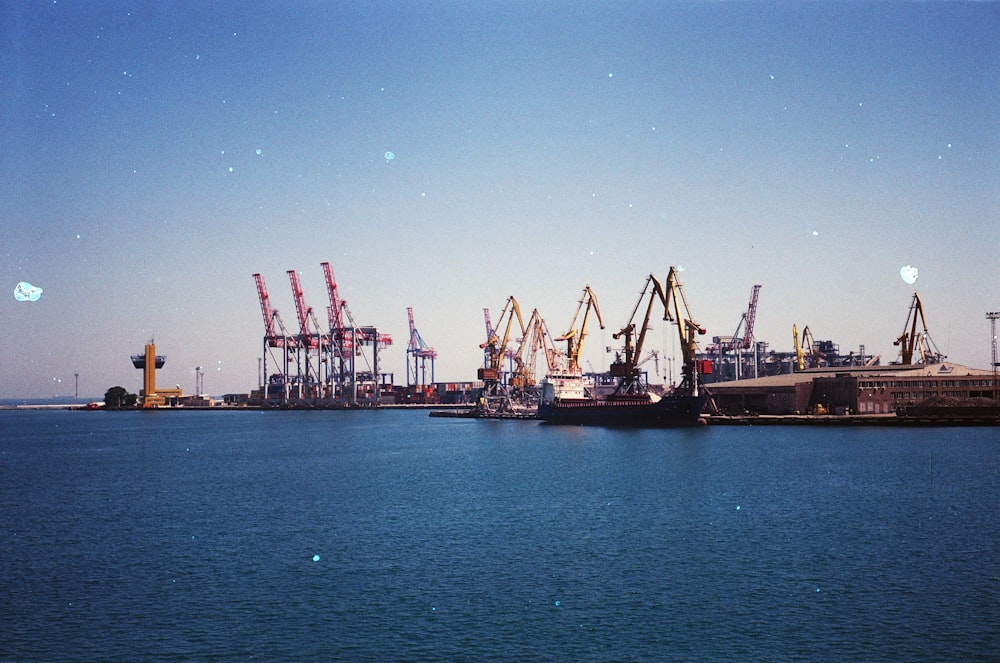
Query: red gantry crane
[
  {"x": 310, "y": 346},
  {"x": 275, "y": 336},
  {"x": 347, "y": 342},
  {"x": 742, "y": 338}
]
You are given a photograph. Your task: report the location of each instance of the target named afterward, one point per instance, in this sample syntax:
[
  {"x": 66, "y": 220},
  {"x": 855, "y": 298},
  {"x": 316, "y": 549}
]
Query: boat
[
  {"x": 564, "y": 400},
  {"x": 625, "y": 410}
]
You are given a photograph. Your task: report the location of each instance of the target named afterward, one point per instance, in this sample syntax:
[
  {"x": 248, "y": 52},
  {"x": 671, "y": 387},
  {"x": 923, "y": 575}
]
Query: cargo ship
[
  {"x": 625, "y": 410},
  {"x": 631, "y": 404}
]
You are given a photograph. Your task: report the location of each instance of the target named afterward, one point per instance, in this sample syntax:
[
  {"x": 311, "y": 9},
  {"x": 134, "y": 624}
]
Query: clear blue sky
[{"x": 156, "y": 154}]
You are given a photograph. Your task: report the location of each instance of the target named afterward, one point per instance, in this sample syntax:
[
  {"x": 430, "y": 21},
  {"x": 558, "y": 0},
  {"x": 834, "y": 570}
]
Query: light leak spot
[
  {"x": 25, "y": 292},
  {"x": 909, "y": 274}
]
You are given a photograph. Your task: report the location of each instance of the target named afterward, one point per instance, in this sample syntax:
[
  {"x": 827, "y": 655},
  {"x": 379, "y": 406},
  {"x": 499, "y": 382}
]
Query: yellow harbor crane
[
  {"x": 671, "y": 296},
  {"x": 536, "y": 337},
  {"x": 495, "y": 396},
  {"x": 806, "y": 345},
  {"x": 688, "y": 331},
  {"x": 574, "y": 337}
]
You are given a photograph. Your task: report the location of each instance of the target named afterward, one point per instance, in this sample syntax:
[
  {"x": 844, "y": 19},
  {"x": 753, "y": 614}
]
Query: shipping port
[{"x": 526, "y": 374}]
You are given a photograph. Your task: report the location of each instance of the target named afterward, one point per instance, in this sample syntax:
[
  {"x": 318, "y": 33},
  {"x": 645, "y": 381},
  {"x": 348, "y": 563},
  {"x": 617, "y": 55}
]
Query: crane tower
[{"x": 418, "y": 353}]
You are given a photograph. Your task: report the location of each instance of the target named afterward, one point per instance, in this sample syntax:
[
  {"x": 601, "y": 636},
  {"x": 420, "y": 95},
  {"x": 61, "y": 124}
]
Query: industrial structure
[
  {"x": 741, "y": 363},
  {"x": 911, "y": 342},
  {"x": 418, "y": 353},
  {"x": 336, "y": 363},
  {"x": 826, "y": 386},
  {"x": 151, "y": 396},
  {"x": 994, "y": 365},
  {"x": 319, "y": 367},
  {"x": 852, "y": 390},
  {"x": 632, "y": 403},
  {"x": 495, "y": 396}
]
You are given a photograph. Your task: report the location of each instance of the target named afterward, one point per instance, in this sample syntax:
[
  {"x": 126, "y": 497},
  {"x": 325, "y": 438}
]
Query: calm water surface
[{"x": 393, "y": 536}]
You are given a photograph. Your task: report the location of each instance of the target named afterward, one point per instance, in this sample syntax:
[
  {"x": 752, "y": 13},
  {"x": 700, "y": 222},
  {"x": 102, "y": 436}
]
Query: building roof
[{"x": 786, "y": 380}]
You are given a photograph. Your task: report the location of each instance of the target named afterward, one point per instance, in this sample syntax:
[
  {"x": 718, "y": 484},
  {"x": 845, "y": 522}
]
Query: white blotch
[
  {"x": 315, "y": 558},
  {"x": 815, "y": 233},
  {"x": 259, "y": 151},
  {"x": 25, "y": 292},
  {"x": 389, "y": 156},
  {"x": 230, "y": 169},
  {"x": 772, "y": 76},
  {"x": 909, "y": 274},
  {"x": 610, "y": 75}
]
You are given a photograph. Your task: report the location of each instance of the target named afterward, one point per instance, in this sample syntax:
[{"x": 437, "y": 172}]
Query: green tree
[{"x": 117, "y": 398}]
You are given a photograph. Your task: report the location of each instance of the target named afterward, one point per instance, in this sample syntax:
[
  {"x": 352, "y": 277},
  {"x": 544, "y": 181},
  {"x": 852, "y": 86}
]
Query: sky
[{"x": 445, "y": 156}]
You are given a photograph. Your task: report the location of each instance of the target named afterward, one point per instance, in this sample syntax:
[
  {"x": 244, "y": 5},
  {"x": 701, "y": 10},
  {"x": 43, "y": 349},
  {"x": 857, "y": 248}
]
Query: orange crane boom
[{"x": 910, "y": 341}]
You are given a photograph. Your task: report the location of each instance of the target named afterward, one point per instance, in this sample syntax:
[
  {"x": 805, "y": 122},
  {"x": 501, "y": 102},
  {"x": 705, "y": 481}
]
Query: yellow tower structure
[{"x": 149, "y": 361}]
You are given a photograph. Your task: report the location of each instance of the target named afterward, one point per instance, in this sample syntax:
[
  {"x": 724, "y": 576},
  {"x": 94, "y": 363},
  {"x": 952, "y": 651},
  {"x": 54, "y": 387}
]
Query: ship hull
[{"x": 668, "y": 412}]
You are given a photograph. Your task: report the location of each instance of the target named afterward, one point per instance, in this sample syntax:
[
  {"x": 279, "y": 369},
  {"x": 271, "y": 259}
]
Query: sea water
[{"x": 394, "y": 536}]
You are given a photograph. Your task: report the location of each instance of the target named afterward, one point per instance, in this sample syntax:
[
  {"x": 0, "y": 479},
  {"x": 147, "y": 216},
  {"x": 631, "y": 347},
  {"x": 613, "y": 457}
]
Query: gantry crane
[
  {"x": 276, "y": 336},
  {"x": 419, "y": 352},
  {"x": 910, "y": 341},
  {"x": 310, "y": 346},
  {"x": 347, "y": 342},
  {"x": 323, "y": 374},
  {"x": 574, "y": 337},
  {"x": 495, "y": 396}
]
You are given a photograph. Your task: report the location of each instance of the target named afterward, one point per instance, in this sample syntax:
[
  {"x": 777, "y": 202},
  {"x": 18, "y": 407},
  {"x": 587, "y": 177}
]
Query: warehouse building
[{"x": 852, "y": 390}]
